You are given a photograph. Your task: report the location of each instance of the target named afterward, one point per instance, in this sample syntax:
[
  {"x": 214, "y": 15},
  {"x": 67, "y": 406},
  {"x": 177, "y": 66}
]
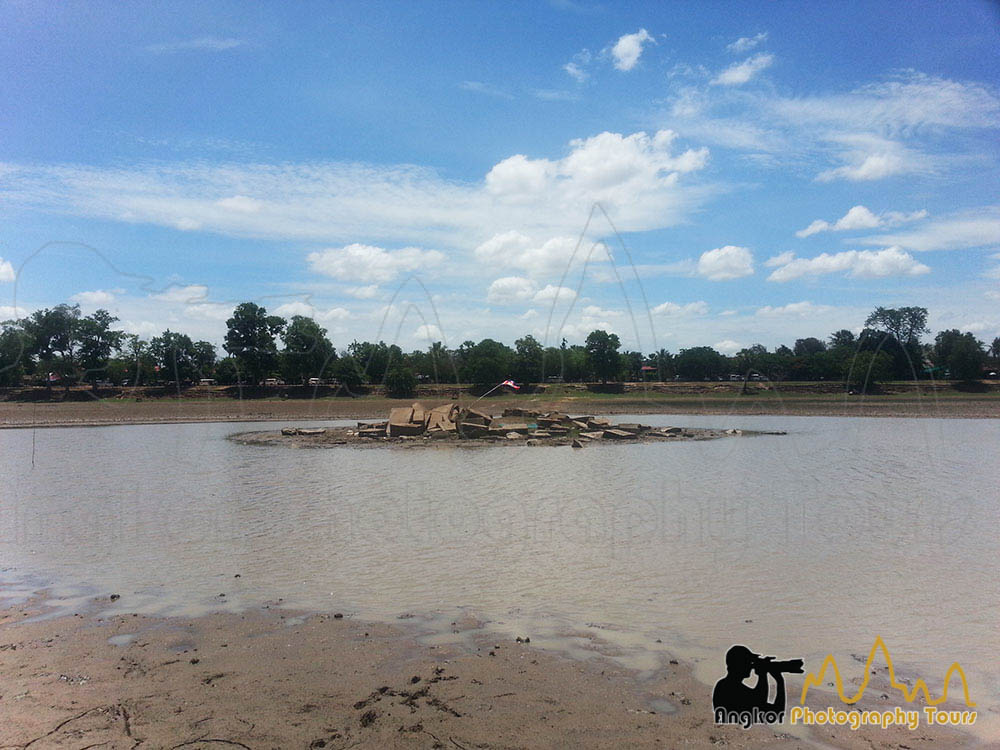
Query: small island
[{"x": 454, "y": 424}]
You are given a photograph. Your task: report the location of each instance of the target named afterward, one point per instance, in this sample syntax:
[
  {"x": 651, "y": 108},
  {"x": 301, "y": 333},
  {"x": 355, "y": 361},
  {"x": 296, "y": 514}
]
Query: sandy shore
[
  {"x": 20, "y": 414},
  {"x": 271, "y": 679}
]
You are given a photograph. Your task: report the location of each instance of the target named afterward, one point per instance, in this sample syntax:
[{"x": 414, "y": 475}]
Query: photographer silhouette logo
[{"x": 734, "y": 702}]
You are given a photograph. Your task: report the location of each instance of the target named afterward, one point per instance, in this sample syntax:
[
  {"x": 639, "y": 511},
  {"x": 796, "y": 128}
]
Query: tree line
[{"x": 60, "y": 345}]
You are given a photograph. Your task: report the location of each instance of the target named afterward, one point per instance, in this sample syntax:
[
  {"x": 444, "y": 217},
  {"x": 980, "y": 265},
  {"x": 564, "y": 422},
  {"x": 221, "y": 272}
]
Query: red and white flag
[{"x": 511, "y": 384}]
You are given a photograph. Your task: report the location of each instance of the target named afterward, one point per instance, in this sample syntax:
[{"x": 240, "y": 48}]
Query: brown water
[{"x": 797, "y": 545}]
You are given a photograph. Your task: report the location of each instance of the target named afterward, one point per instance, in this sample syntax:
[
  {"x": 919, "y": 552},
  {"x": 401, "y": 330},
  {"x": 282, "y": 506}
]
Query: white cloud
[
  {"x": 362, "y": 292},
  {"x": 907, "y": 102},
  {"x": 209, "y": 310},
  {"x": 486, "y": 88},
  {"x": 675, "y": 310},
  {"x": 739, "y": 73},
  {"x": 515, "y": 250},
  {"x": 240, "y": 203},
  {"x": 306, "y": 310},
  {"x": 868, "y": 264},
  {"x": 510, "y": 289},
  {"x": 637, "y": 179},
  {"x": 969, "y": 229},
  {"x": 6, "y": 271},
  {"x": 594, "y": 311},
  {"x": 746, "y": 43},
  {"x": 428, "y": 332},
  {"x": 555, "y": 95},
  {"x": 628, "y": 48},
  {"x": 9, "y": 312},
  {"x": 793, "y": 310},
  {"x": 860, "y": 217},
  {"x": 551, "y": 293},
  {"x": 366, "y": 263},
  {"x": 727, "y": 346},
  {"x": 186, "y": 294},
  {"x": 96, "y": 298},
  {"x": 205, "y": 43},
  {"x": 872, "y": 157},
  {"x": 780, "y": 260},
  {"x": 725, "y": 263},
  {"x": 576, "y": 71}
]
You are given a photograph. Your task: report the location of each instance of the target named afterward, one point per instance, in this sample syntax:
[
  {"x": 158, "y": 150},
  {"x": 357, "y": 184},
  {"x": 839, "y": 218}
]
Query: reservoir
[{"x": 800, "y": 545}]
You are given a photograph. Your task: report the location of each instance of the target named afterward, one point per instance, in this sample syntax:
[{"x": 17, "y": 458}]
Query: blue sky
[{"x": 682, "y": 174}]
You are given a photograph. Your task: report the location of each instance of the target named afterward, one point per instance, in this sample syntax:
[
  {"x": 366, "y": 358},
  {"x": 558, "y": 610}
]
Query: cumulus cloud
[
  {"x": 306, "y": 310},
  {"x": 366, "y": 263},
  {"x": 746, "y": 43},
  {"x": 637, "y": 178},
  {"x": 868, "y": 264},
  {"x": 515, "y": 250},
  {"x": 860, "y": 217},
  {"x": 11, "y": 312},
  {"x": 739, "y": 73},
  {"x": 725, "y": 263},
  {"x": 968, "y": 229},
  {"x": 428, "y": 332},
  {"x": 628, "y": 48},
  {"x": 727, "y": 346},
  {"x": 209, "y": 310},
  {"x": 6, "y": 271},
  {"x": 872, "y": 157},
  {"x": 362, "y": 292},
  {"x": 185, "y": 294},
  {"x": 780, "y": 259},
  {"x": 552, "y": 293},
  {"x": 95, "y": 298},
  {"x": 802, "y": 309},
  {"x": 672, "y": 309},
  {"x": 509, "y": 289}
]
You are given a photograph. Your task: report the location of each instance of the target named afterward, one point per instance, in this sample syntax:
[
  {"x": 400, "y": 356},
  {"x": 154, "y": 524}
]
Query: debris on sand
[{"x": 453, "y": 423}]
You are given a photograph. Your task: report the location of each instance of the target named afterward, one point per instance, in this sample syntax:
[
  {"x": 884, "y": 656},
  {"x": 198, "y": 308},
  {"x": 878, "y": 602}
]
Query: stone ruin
[{"x": 453, "y": 421}]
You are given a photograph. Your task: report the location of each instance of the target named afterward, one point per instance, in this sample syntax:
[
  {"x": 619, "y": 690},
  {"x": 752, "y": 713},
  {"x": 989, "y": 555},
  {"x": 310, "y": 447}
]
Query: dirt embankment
[
  {"x": 268, "y": 679},
  {"x": 196, "y": 405}
]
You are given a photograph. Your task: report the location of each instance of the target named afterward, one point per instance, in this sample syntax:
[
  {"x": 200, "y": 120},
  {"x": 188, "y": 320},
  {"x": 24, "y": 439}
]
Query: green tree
[
  {"x": 97, "y": 339},
  {"x": 906, "y": 324},
  {"x": 995, "y": 348},
  {"x": 308, "y": 352},
  {"x": 250, "y": 340},
  {"x": 52, "y": 337},
  {"x": 807, "y": 346},
  {"x": 375, "y": 360},
  {"x": 700, "y": 363},
  {"x": 842, "y": 339},
  {"x": 603, "y": 358},
  {"x": 13, "y": 355},
  {"x": 203, "y": 357},
  {"x": 866, "y": 369},
  {"x": 174, "y": 356},
  {"x": 528, "y": 360},
  {"x": 961, "y": 353},
  {"x": 400, "y": 382},
  {"x": 347, "y": 372},
  {"x": 488, "y": 363}
]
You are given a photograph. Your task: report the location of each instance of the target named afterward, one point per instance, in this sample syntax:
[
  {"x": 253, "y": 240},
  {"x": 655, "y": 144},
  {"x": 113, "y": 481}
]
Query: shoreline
[
  {"x": 274, "y": 678},
  {"x": 21, "y": 415}
]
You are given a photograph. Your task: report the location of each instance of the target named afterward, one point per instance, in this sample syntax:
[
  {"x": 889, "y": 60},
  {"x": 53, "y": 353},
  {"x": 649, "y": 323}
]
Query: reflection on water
[{"x": 798, "y": 545}]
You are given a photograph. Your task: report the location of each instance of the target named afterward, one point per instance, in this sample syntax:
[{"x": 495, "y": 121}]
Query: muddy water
[{"x": 797, "y": 545}]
